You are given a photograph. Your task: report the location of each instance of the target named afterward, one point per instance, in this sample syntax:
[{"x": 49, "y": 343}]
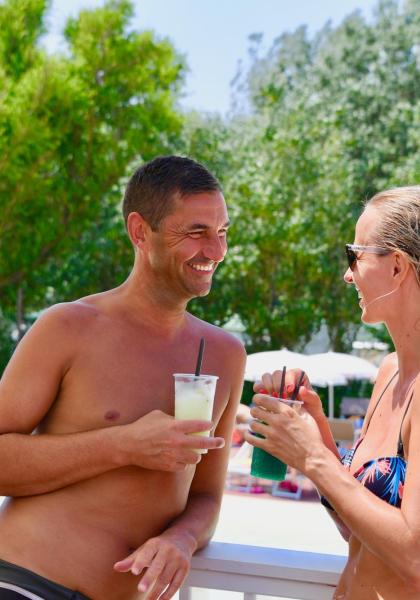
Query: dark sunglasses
[{"x": 354, "y": 250}]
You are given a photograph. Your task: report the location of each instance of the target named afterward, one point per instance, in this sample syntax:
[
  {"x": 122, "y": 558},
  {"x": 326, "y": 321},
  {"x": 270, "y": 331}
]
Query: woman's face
[{"x": 372, "y": 273}]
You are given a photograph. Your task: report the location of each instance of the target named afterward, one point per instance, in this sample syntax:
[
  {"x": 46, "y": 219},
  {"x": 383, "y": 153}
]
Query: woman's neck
[{"x": 406, "y": 340}]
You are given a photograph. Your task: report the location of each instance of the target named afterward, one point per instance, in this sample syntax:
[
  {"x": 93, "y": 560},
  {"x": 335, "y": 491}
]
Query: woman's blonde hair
[{"x": 398, "y": 227}]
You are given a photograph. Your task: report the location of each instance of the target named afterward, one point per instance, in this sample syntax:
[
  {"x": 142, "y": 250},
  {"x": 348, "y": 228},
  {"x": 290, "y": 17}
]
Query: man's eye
[
  {"x": 195, "y": 234},
  {"x": 223, "y": 232}
]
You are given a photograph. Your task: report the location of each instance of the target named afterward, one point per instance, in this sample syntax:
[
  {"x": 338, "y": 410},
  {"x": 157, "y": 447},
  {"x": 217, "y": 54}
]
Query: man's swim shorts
[{"x": 17, "y": 583}]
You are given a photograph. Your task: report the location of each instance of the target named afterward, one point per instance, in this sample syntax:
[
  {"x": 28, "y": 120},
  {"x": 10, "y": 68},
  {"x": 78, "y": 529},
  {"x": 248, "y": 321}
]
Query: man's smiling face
[{"x": 190, "y": 243}]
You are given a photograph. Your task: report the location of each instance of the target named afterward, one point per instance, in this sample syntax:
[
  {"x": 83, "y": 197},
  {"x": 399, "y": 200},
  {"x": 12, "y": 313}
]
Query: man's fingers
[
  {"x": 123, "y": 566},
  {"x": 192, "y": 425},
  {"x": 161, "y": 583},
  {"x": 156, "y": 591},
  {"x": 139, "y": 560},
  {"x": 152, "y": 574},
  {"x": 153, "y": 590},
  {"x": 203, "y": 442},
  {"x": 175, "y": 584},
  {"x": 188, "y": 457},
  {"x": 213, "y": 443}
]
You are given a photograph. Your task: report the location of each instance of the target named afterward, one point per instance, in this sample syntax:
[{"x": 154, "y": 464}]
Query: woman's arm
[{"x": 390, "y": 533}]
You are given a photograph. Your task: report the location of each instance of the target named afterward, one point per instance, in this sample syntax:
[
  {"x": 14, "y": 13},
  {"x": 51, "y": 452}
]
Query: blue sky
[{"x": 213, "y": 34}]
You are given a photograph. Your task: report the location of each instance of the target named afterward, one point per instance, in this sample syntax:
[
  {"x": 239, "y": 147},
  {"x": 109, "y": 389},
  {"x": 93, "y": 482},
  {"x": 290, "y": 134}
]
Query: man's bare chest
[{"x": 116, "y": 381}]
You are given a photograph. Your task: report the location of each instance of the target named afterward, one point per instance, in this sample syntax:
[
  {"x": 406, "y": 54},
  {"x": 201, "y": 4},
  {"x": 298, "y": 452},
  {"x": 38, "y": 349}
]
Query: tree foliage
[
  {"x": 334, "y": 119},
  {"x": 71, "y": 126}
]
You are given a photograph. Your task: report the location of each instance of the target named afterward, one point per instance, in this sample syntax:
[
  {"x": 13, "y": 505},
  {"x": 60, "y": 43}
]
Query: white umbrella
[
  {"x": 330, "y": 366},
  {"x": 266, "y": 362},
  {"x": 326, "y": 370},
  {"x": 337, "y": 368}
]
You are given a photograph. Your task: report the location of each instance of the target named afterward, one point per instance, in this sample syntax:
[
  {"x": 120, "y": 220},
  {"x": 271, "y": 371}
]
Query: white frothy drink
[{"x": 194, "y": 398}]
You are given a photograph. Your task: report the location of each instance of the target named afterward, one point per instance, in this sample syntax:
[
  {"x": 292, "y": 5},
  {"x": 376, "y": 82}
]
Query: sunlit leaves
[
  {"x": 335, "y": 118},
  {"x": 71, "y": 128}
]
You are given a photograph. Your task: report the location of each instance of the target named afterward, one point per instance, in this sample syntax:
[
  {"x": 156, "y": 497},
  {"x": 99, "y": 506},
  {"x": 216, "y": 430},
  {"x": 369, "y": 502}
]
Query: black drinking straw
[
  {"x": 299, "y": 383},
  {"x": 283, "y": 381},
  {"x": 199, "y": 358}
]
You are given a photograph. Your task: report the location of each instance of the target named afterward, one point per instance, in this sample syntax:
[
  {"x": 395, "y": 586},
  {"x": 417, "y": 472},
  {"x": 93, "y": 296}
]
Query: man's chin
[
  {"x": 200, "y": 292},
  {"x": 204, "y": 293}
]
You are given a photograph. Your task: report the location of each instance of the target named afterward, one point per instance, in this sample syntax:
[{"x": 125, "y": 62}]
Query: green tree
[
  {"x": 71, "y": 126},
  {"x": 333, "y": 119}
]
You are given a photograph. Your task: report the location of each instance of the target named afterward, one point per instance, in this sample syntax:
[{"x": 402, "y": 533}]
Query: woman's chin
[
  {"x": 364, "y": 317},
  {"x": 369, "y": 319}
]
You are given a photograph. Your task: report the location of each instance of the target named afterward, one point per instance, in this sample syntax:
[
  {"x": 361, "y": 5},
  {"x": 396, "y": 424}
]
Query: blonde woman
[{"x": 373, "y": 494}]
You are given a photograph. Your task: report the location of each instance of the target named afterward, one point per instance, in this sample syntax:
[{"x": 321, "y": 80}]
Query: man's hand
[
  {"x": 163, "y": 563},
  {"x": 160, "y": 442}
]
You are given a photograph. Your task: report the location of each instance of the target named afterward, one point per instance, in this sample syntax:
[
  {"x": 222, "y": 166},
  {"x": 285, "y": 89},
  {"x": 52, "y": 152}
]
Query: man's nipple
[{"x": 112, "y": 415}]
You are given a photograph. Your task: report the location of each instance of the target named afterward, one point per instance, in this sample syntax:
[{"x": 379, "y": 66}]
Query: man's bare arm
[{"x": 36, "y": 464}]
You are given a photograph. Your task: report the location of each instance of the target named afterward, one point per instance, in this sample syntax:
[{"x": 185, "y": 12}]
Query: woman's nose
[{"x": 348, "y": 276}]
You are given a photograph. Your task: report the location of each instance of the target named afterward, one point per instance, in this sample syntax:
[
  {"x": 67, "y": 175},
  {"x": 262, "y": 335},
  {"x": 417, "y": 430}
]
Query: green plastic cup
[{"x": 266, "y": 465}]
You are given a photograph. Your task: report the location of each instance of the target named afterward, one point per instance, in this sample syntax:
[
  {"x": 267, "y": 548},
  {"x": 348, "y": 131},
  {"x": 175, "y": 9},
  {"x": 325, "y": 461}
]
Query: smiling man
[{"x": 108, "y": 498}]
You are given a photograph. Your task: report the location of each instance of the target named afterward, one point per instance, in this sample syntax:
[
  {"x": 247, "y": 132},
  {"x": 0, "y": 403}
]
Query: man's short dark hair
[{"x": 152, "y": 188}]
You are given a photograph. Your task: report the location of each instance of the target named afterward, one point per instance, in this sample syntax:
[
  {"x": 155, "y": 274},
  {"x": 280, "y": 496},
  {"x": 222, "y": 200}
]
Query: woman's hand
[
  {"x": 270, "y": 383},
  {"x": 291, "y": 437}
]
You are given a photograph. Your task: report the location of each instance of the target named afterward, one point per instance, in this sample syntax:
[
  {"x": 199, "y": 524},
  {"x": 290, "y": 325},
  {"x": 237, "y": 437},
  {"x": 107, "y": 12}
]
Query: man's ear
[{"x": 137, "y": 228}]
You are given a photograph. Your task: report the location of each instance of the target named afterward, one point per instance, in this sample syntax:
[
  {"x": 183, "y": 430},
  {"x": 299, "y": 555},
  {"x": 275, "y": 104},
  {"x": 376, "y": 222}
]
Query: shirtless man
[{"x": 107, "y": 499}]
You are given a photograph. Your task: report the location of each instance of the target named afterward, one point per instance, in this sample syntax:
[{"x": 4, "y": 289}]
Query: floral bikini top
[{"x": 385, "y": 476}]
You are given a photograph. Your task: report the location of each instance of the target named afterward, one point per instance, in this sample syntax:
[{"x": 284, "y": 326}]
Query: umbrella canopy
[
  {"x": 337, "y": 368},
  {"x": 266, "y": 362},
  {"x": 326, "y": 370}
]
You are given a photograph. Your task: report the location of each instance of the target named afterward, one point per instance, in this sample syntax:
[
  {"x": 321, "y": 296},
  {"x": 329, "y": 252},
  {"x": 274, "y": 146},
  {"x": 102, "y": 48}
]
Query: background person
[
  {"x": 374, "y": 494},
  {"x": 107, "y": 495}
]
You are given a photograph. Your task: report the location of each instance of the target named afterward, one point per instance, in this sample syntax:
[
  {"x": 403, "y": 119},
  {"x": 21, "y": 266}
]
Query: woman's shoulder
[
  {"x": 387, "y": 370},
  {"x": 414, "y": 419},
  {"x": 388, "y": 366},
  {"x": 416, "y": 387}
]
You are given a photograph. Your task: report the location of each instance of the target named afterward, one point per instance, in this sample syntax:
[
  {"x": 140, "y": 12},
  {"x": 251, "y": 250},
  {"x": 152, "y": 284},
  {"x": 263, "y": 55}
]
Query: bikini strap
[
  {"x": 400, "y": 447},
  {"x": 380, "y": 398}
]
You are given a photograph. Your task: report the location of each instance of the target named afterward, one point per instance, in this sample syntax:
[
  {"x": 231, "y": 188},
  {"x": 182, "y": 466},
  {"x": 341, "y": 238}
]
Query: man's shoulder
[
  {"x": 69, "y": 314},
  {"x": 218, "y": 335}
]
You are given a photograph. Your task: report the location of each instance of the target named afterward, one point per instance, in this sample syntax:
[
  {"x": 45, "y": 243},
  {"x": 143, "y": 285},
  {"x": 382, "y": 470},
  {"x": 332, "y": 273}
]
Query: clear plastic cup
[{"x": 194, "y": 398}]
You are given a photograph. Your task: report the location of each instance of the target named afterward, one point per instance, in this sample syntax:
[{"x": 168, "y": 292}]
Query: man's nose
[{"x": 215, "y": 248}]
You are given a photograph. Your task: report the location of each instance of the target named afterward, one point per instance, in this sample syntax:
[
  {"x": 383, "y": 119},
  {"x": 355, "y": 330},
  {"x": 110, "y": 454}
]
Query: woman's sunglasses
[{"x": 354, "y": 250}]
